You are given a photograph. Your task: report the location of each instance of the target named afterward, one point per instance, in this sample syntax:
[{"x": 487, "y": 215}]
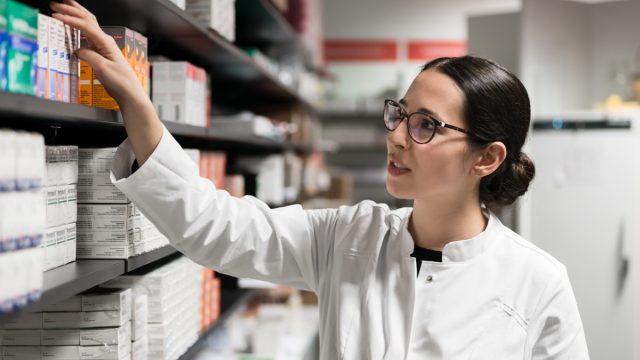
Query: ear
[{"x": 489, "y": 159}]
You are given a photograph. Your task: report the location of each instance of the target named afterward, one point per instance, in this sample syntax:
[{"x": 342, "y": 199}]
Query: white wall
[
  {"x": 555, "y": 53},
  {"x": 615, "y": 34},
  {"x": 496, "y": 37},
  {"x": 396, "y": 20}
]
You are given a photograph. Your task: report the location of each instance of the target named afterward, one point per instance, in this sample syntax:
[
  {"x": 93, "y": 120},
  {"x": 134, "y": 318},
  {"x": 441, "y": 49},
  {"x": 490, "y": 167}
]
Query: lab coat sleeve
[
  {"x": 557, "y": 332},
  {"x": 242, "y": 237}
]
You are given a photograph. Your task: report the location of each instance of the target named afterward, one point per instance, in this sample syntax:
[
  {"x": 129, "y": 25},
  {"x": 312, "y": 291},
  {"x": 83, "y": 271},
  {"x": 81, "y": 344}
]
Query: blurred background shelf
[{"x": 232, "y": 301}]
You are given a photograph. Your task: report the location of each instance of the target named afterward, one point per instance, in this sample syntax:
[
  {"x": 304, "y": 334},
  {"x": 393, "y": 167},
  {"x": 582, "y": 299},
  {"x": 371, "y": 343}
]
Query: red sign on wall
[
  {"x": 429, "y": 50},
  {"x": 365, "y": 50}
]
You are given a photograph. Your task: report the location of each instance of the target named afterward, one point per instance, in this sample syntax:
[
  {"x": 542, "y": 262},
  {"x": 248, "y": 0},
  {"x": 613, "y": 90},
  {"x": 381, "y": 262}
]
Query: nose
[{"x": 398, "y": 138}]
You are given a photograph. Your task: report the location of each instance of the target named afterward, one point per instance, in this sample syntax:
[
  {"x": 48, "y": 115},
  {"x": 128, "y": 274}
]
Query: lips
[{"x": 396, "y": 168}]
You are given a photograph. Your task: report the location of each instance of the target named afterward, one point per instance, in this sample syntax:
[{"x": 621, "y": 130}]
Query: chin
[{"x": 397, "y": 193}]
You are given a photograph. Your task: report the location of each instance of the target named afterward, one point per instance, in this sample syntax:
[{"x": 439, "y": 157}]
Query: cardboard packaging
[
  {"x": 22, "y": 51},
  {"x": 61, "y": 204},
  {"x": 134, "y": 48},
  {"x": 85, "y": 319},
  {"x": 59, "y": 246},
  {"x": 61, "y": 165},
  {"x": 115, "y": 231},
  {"x": 43, "y": 56},
  {"x": 180, "y": 92}
]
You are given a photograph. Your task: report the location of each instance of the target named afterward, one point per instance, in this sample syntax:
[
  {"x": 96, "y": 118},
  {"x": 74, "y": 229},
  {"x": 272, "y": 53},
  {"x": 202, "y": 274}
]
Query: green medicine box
[{"x": 22, "y": 47}]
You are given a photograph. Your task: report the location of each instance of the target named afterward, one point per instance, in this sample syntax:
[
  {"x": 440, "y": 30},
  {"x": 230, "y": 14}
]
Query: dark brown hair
[{"x": 497, "y": 108}]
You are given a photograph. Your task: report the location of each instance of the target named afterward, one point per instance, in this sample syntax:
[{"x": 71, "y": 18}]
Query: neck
[{"x": 435, "y": 223}]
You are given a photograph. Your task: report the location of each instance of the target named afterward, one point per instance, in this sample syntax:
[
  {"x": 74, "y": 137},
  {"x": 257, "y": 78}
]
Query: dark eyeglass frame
[{"x": 437, "y": 123}]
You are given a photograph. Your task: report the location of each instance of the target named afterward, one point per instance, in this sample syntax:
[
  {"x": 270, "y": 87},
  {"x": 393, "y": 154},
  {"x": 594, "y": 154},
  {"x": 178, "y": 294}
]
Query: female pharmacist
[{"x": 454, "y": 141}]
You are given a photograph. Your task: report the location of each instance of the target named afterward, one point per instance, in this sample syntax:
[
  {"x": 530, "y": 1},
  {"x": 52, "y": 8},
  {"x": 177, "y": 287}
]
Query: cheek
[{"x": 440, "y": 168}]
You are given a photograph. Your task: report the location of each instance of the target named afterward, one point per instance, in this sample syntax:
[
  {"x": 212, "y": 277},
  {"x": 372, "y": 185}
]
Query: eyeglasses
[{"x": 421, "y": 126}]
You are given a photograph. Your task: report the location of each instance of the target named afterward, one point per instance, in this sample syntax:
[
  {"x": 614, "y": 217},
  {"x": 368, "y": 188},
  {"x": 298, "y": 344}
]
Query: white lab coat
[{"x": 494, "y": 297}]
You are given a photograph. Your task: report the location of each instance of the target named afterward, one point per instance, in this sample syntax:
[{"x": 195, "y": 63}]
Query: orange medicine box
[
  {"x": 85, "y": 87},
  {"x": 125, "y": 39}
]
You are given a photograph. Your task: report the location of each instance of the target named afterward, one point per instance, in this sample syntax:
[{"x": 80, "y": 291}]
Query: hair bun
[{"x": 514, "y": 180}]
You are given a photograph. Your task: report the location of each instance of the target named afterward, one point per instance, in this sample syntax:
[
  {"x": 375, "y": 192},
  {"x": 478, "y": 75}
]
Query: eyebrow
[{"x": 403, "y": 102}]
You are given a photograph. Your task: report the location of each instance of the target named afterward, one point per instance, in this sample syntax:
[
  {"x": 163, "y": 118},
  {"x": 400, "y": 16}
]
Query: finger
[
  {"x": 67, "y": 10},
  {"x": 92, "y": 57},
  {"x": 90, "y": 29}
]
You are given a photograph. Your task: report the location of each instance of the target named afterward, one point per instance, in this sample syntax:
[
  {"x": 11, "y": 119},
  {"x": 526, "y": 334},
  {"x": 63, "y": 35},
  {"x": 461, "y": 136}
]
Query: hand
[{"x": 103, "y": 54}]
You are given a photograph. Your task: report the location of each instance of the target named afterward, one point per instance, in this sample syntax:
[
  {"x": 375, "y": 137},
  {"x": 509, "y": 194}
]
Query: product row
[
  {"x": 40, "y": 60},
  {"x": 154, "y": 315},
  {"x": 78, "y": 213}
]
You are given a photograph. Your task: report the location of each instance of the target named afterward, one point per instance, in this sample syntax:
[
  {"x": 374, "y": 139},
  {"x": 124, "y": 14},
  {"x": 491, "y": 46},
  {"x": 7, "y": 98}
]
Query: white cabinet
[{"x": 584, "y": 211}]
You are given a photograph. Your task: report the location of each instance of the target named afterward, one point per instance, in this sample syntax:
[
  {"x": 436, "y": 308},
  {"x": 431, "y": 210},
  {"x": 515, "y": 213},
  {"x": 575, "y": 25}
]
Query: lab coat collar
[{"x": 460, "y": 250}]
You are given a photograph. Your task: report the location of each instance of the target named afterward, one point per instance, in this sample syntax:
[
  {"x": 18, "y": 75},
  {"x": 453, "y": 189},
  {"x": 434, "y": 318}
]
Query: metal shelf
[
  {"x": 88, "y": 126},
  {"x": 73, "y": 278},
  {"x": 76, "y": 277},
  {"x": 152, "y": 256}
]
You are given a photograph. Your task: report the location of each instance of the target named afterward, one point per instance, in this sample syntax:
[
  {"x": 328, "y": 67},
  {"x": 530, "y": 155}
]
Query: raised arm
[
  {"x": 110, "y": 67},
  {"x": 240, "y": 237}
]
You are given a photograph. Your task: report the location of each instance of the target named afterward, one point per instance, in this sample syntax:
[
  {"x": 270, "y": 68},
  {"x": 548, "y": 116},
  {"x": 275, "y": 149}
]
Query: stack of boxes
[
  {"x": 134, "y": 48},
  {"x": 220, "y": 15},
  {"x": 90, "y": 326},
  {"x": 180, "y": 92},
  {"x": 58, "y": 65},
  {"x": 210, "y": 308},
  {"x": 60, "y": 191},
  {"x": 174, "y": 292},
  {"x": 109, "y": 225},
  {"x": 213, "y": 167},
  {"x": 22, "y": 218}
]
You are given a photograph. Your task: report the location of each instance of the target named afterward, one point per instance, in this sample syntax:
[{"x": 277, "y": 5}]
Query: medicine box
[
  {"x": 66, "y": 337},
  {"x": 98, "y": 189},
  {"x": 86, "y": 319},
  {"x": 4, "y": 43},
  {"x": 140, "y": 349},
  {"x": 22, "y": 321},
  {"x": 21, "y": 276},
  {"x": 103, "y": 300},
  {"x": 120, "y": 336},
  {"x": 43, "y": 57},
  {"x": 61, "y": 165},
  {"x": 61, "y": 204},
  {"x": 115, "y": 231},
  {"x": 73, "y": 303},
  {"x": 95, "y": 161},
  {"x": 59, "y": 246},
  {"x": 22, "y": 51}
]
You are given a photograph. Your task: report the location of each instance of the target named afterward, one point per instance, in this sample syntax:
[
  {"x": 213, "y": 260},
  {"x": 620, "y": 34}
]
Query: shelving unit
[
  {"x": 239, "y": 84},
  {"x": 89, "y": 126},
  {"x": 232, "y": 302}
]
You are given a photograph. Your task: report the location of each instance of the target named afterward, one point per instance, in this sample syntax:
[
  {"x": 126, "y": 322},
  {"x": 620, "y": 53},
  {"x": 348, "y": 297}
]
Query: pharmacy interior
[{"x": 282, "y": 100}]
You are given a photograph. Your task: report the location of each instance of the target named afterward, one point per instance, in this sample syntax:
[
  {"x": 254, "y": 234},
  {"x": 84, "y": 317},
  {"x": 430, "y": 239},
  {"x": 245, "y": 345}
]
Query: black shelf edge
[
  {"x": 152, "y": 256},
  {"x": 181, "y": 37},
  {"x": 73, "y": 278},
  {"x": 32, "y": 113},
  {"x": 231, "y": 302}
]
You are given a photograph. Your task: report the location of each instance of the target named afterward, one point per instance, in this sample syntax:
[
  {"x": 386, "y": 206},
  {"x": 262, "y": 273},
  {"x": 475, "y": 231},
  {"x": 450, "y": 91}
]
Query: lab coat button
[{"x": 429, "y": 279}]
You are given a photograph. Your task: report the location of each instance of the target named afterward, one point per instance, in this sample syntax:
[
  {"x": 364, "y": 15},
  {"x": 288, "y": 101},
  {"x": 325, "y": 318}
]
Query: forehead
[{"x": 437, "y": 93}]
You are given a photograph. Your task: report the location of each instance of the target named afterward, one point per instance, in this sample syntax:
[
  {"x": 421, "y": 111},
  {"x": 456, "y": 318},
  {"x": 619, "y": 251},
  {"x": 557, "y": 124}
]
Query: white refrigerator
[{"x": 585, "y": 212}]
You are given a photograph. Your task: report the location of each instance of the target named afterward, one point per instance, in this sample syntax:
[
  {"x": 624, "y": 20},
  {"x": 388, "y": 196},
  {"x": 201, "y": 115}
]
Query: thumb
[{"x": 90, "y": 56}]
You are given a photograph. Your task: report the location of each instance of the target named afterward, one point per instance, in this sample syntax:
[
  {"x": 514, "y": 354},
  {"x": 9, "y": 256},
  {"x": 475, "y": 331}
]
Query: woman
[{"x": 454, "y": 143}]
